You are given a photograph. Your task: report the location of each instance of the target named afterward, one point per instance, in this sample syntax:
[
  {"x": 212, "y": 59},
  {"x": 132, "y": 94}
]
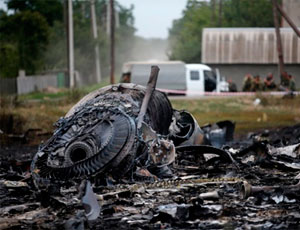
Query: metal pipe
[
  {"x": 112, "y": 42},
  {"x": 220, "y": 13},
  {"x": 71, "y": 44},
  {"x": 95, "y": 35},
  {"x": 288, "y": 19},
  {"x": 249, "y": 190},
  {"x": 278, "y": 39},
  {"x": 150, "y": 88},
  {"x": 210, "y": 195}
]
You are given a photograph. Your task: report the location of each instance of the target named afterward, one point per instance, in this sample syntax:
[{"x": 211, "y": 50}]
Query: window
[
  {"x": 210, "y": 82},
  {"x": 209, "y": 75},
  {"x": 194, "y": 75}
]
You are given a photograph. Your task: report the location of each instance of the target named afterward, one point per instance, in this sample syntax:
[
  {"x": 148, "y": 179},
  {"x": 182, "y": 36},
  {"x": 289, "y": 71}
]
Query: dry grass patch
[{"x": 272, "y": 112}]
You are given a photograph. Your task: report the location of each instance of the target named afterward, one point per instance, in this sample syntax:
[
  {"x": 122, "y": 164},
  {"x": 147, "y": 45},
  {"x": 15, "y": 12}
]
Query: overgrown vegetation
[
  {"x": 186, "y": 33},
  {"x": 33, "y": 37},
  {"x": 63, "y": 95},
  {"x": 271, "y": 113}
]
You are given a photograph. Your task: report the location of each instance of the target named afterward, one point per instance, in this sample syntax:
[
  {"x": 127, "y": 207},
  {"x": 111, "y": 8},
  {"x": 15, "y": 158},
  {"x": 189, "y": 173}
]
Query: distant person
[
  {"x": 285, "y": 82},
  {"x": 256, "y": 84},
  {"x": 247, "y": 84},
  {"x": 269, "y": 84},
  {"x": 231, "y": 86},
  {"x": 292, "y": 85}
]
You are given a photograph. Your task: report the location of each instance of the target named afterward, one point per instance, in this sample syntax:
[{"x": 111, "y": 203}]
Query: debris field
[{"x": 118, "y": 160}]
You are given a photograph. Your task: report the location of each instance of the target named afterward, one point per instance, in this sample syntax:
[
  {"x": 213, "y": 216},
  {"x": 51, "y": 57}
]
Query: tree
[
  {"x": 124, "y": 35},
  {"x": 24, "y": 34},
  {"x": 55, "y": 57},
  {"x": 246, "y": 13},
  {"x": 186, "y": 33},
  {"x": 27, "y": 32},
  {"x": 8, "y": 59},
  {"x": 51, "y": 10},
  {"x": 33, "y": 37}
]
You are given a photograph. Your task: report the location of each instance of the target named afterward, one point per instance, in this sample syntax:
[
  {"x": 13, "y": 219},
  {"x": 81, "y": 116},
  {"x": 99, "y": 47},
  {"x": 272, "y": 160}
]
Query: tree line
[
  {"x": 33, "y": 36},
  {"x": 186, "y": 33}
]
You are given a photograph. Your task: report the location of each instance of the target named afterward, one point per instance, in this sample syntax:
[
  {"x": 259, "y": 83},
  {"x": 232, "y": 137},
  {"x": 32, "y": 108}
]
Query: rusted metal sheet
[{"x": 248, "y": 46}]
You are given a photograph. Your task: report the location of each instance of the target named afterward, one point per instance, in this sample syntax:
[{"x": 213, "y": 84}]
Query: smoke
[{"x": 149, "y": 49}]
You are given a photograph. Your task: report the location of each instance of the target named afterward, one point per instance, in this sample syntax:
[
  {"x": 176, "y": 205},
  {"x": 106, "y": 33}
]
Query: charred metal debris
[
  {"x": 117, "y": 129},
  {"x": 122, "y": 157}
]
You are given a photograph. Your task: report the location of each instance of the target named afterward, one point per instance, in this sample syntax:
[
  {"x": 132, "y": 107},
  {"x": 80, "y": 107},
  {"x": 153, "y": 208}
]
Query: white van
[{"x": 175, "y": 77}]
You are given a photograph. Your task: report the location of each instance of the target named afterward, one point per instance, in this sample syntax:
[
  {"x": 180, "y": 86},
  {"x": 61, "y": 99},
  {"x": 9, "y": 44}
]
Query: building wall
[
  {"x": 292, "y": 9},
  {"x": 236, "y": 72},
  {"x": 248, "y": 46}
]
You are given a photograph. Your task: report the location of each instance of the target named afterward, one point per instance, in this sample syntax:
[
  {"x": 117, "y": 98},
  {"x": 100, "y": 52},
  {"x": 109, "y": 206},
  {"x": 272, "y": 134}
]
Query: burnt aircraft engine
[{"x": 99, "y": 135}]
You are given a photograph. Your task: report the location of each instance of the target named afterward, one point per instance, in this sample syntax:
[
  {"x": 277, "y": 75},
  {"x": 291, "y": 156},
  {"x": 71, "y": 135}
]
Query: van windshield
[{"x": 210, "y": 80}]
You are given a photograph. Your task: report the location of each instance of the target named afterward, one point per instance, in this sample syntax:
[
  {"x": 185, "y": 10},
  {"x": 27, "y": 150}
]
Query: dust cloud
[{"x": 149, "y": 49}]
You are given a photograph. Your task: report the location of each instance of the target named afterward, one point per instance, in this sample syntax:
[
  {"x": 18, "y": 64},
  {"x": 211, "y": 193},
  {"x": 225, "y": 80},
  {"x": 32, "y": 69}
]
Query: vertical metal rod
[
  {"x": 95, "y": 35},
  {"x": 66, "y": 24},
  {"x": 213, "y": 13},
  {"x": 112, "y": 42},
  {"x": 151, "y": 85},
  {"x": 278, "y": 39},
  {"x": 71, "y": 44},
  {"x": 288, "y": 19},
  {"x": 108, "y": 18},
  {"x": 220, "y": 13}
]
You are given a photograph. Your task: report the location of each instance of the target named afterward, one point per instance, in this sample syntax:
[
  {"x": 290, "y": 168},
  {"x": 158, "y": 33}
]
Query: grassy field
[
  {"x": 272, "y": 112},
  {"x": 71, "y": 95},
  {"x": 30, "y": 113}
]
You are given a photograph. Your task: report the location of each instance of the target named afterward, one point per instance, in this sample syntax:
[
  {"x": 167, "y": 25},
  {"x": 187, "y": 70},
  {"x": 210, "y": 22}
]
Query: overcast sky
[
  {"x": 2, "y": 5},
  {"x": 153, "y": 18}
]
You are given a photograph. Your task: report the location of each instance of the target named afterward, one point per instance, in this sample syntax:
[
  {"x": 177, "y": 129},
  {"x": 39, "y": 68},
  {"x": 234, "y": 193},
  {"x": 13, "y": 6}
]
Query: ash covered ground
[{"x": 207, "y": 191}]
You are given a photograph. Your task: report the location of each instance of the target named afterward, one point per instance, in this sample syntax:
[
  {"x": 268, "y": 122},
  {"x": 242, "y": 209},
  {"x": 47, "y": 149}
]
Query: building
[{"x": 238, "y": 51}]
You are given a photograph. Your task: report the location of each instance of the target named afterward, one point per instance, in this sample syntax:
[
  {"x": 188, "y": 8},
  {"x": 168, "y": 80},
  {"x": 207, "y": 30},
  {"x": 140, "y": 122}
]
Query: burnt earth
[{"x": 181, "y": 204}]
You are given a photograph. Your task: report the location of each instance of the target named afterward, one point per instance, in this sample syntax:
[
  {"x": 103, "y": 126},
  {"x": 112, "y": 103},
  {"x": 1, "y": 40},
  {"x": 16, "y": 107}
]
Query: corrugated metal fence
[{"x": 28, "y": 84}]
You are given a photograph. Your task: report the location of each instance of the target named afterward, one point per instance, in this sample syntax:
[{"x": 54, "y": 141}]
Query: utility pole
[
  {"x": 220, "y": 13},
  {"x": 95, "y": 35},
  {"x": 112, "y": 42},
  {"x": 213, "y": 13},
  {"x": 278, "y": 39},
  {"x": 108, "y": 18},
  {"x": 70, "y": 44}
]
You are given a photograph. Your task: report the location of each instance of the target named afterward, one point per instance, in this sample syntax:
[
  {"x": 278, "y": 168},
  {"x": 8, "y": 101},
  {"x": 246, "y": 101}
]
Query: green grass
[
  {"x": 70, "y": 95},
  {"x": 40, "y": 110},
  {"x": 91, "y": 88},
  {"x": 43, "y": 96},
  {"x": 273, "y": 111}
]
